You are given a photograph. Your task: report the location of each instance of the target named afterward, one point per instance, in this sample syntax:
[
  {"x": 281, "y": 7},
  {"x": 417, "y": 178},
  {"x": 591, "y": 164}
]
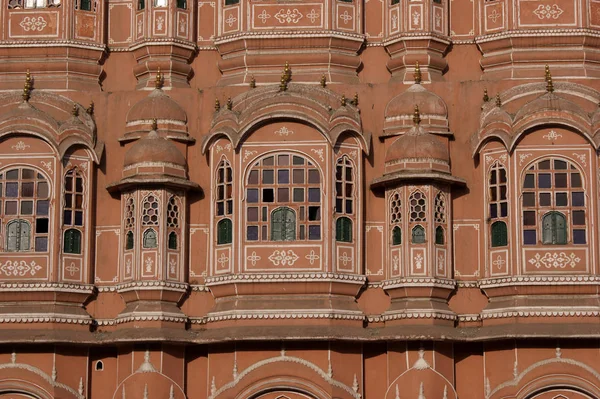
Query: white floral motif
[
  {"x": 159, "y": 22},
  {"x": 248, "y": 154},
  {"x": 441, "y": 263},
  {"x": 19, "y": 268},
  {"x": 555, "y": 260},
  {"x": 416, "y": 16},
  {"x": 283, "y": 258},
  {"x": 319, "y": 152},
  {"x": 581, "y": 157},
  {"x": 312, "y": 257},
  {"x": 140, "y": 26},
  {"x": 172, "y": 265},
  {"x": 223, "y": 259},
  {"x": 499, "y": 262},
  {"x": 33, "y": 24},
  {"x": 289, "y": 16},
  {"x": 20, "y": 146},
  {"x": 47, "y": 165},
  {"x": 72, "y": 269},
  {"x": 345, "y": 259},
  {"x": 313, "y": 16},
  {"x": 230, "y": 20},
  {"x": 182, "y": 26},
  {"x": 438, "y": 21},
  {"x": 128, "y": 266},
  {"x": 263, "y": 16},
  {"x": 548, "y": 11},
  {"x": 149, "y": 264},
  {"x": 395, "y": 262},
  {"x": 346, "y": 17},
  {"x": 284, "y": 131},
  {"x": 418, "y": 261},
  {"x": 523, "y": 158},
  {"x": 494, "y": 16},
  {"x": 552, "y": 135},
  {"x": 253, "y": 258},
  {"x": 394, "y": 21}
]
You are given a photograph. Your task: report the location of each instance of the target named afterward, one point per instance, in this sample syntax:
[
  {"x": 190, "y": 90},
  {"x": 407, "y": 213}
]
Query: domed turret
[{"x": 156, "y": 150}]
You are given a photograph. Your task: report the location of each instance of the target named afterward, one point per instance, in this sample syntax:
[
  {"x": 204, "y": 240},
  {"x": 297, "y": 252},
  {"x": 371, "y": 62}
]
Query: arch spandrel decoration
[
  {"x": 312, "y": 105},
  {"x": 527, "y": 107},
  {"x": 52, "y": 118}
]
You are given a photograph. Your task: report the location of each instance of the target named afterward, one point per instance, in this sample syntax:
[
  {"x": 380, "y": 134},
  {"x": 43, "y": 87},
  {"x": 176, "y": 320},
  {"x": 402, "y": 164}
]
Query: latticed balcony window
[{"x": 395, "y": 209}]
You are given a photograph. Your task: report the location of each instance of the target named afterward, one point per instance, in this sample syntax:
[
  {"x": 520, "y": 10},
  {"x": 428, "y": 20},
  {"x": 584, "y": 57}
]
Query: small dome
[
  {"x": 156, "y": 149},
  {"x": 157, "y": 106},
  {"x": 416, "y": 144},
  {"x": 430, "y": 105}
]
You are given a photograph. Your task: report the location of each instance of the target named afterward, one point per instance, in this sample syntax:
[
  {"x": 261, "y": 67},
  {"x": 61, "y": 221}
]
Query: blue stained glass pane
[
  {"x": 544, "y": 180},
  {"x": 579, "y": 237},
  {"x": 529, "y": 237},
  {"x": 493, "y": 210},
  {"x": 41, "y": 244},
  {"x": 314, "y": 232},
  {"x": 283, "y": 176},
  {"x": 314, "y": 194},
  {"x": 12, "y": 189},
  {"x": 252, "y": 194},
  {"x": 268, "y": 177},
  {"x": 252, "y": 233},
  {"x": 578, "y": 199}
]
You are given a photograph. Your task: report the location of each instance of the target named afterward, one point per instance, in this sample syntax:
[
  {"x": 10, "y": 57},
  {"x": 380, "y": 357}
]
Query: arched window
[
  {"x": 172, "y": 240},
  {"x": 283, "y": 224},
  {"x": 343, "y": 229},
  {"x": 395, "y": 209},
  {"x": 150, "y": 239},
  {"x": 396, "y": 235},
  {"x": 182, "y": 4},
  {"x": 499, "y": 234},
  {"x": 25, "y": 199},
  {"x": 129, "y": 215},
  {"x": 418, "y": 235},
  {"x": 17, "y": 236},
  {"x": 73, "y": 198},
  {"x": 554, "y": 229},
  {"x": 344, "y": 186},
  {"x": 141, "y": 4},
  {"x": 289, "y": 182},
  {"x": 439, "y": 235},
  {"x": 418, "y": 207},
  {"x": 84, "y": 5},
  {"x": 224, "y": 231},
  {"x": 553, "y": 203},
  {"x": 224, "y": 188},
  {"x": 129, "y": 241},
  {"x": 72, "y": 242}
]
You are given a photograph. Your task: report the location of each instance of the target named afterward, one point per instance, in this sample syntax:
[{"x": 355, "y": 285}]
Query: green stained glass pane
[
  {"x": 283, "y": 224},
  {"x": 499, "y": 234},
  {"x": 72, "y": 242},
  {"x": 172, "y": 240},
  {"x": 418, "y": 235},
  {"x": 343, "y": 230},
  {"x": 396, "y": 236},
  {"x": 439, "y": 235},
  {"x": 224, "y": 231}
]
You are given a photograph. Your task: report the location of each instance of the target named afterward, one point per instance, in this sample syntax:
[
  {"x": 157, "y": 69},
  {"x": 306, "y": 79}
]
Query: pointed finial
[
  {"x": 283, "y": 83},
  {"x": 355, "y": 384},
  {"x": 172, "y": 392},
  {"x": 343, "y": 100},
  {"x": 252, "y": 82},
  {"x": 355, "y": 100},
  {"x": 323, "y": 81},
  {"x": 145, "y": 391},
  {"x": 445, "y": 392},
  {"x": 421, "y": 391},
  {"x": 397, "y": 392},
  {"x": 13, "y": 357},
  {"x": 287, "y": 71},
  {"x": 54, "y": 374},
  {"x": 486, "y": 97},
  {"x": 549, "y": 83},
  {"x": 154, "y": 126},
  {"x": 80, "y": 388},
  {"x": 229, "y": 103},
  {"x": 213, "y": 387},
  {"x": 498, "y": 101},
  {"x": 217, "y": 104},
  {"x": 416, "y": 116},
  {"x": 90, "y": 108},
  {"x": 159, "y": 79},
  {"x": 27, "y": 87},
  {"x": 417, "y": 73},
  {"x": 75, "y": 111}
]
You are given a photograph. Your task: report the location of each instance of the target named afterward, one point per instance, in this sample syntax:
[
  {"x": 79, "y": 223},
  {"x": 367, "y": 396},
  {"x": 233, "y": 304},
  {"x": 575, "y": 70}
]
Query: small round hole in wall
[{"x": 99, "y": 365}]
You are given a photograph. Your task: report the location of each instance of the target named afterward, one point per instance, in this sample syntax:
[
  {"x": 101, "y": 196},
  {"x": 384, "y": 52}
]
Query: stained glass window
[
  {"x": 72, "y": 242},
  {"x": 224, "y": 231},
  {"x": 343, "y": 229},
  {"x": 499, "y": 234},
  {"x": 418, "y": 235}
]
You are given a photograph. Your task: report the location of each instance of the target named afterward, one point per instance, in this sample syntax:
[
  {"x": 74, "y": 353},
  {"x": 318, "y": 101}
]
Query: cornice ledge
[
  {"x": 291, "y": 34},
  {"x": 44, "y": 287},
  {"x": 417, "y": 36},
  {"x": 468, "y": 317},
  {"x": 52, "y": 43},
  {"x": 419, "y": 282},
  {"x": 151, "y": 285},
  {"x": 536, "y": 33},
  {"x": 286, "y": 277},
  {"x": 414, "y": 314},
  {"x": 149, "y": 316},
  {"x": 538, "y": 280},
  {"x": 546, "y": 311},
  {"x": 45, "y": 318},
  {"x": 279, "y": 315},
  {"x": 161, "y": 42}
]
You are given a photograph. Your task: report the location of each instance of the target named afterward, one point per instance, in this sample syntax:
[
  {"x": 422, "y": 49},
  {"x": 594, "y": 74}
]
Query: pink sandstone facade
[{"x": 283, "y": 199}]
